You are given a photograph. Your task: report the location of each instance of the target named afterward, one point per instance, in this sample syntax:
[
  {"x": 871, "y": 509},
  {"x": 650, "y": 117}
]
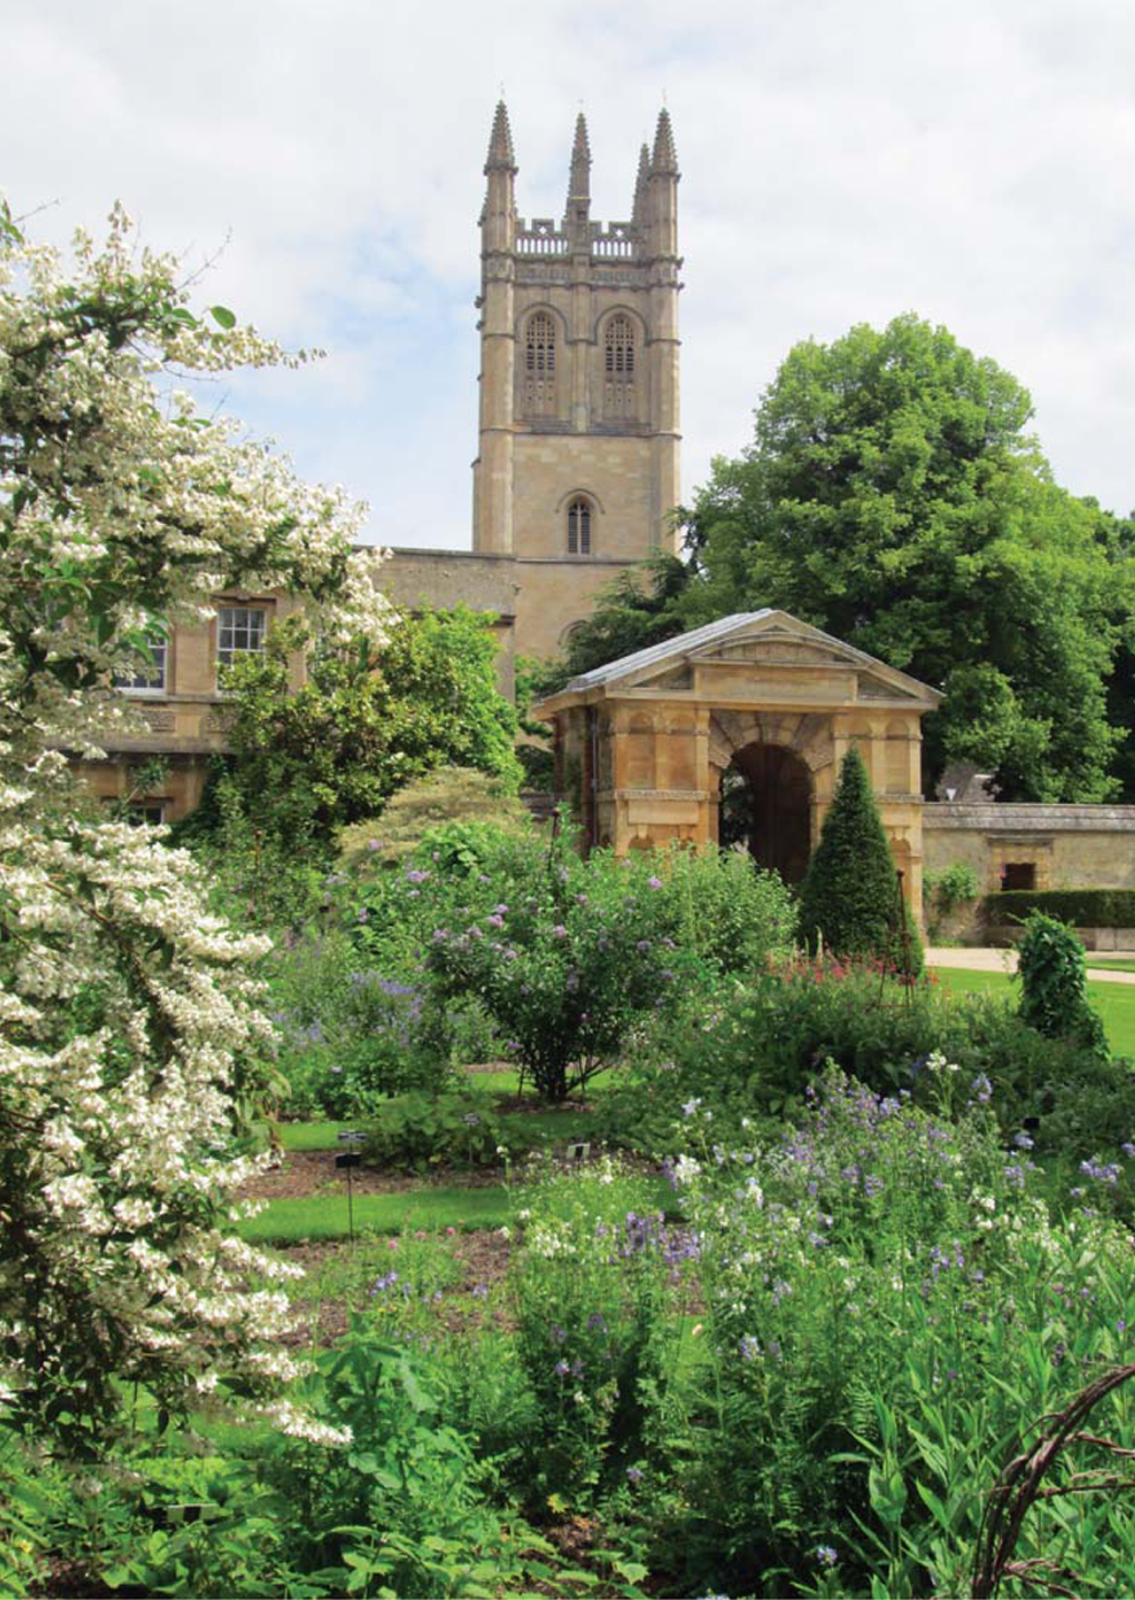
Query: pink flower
[{"x": 559, "y": 931}]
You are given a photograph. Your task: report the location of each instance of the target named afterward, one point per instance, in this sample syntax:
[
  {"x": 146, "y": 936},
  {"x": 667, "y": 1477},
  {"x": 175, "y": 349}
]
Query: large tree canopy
[{"x": 892, "y": 497}]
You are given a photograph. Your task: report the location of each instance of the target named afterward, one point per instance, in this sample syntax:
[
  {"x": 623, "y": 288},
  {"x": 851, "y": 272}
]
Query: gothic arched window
[
  {"x": 619, "y": 368},
  {"x": 579, "y": 526},
  {"x": 540, "y": 365}
]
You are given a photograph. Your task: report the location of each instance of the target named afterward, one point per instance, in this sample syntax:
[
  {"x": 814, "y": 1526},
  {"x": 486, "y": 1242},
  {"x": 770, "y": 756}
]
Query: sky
[{"x": 843, "y": 161}]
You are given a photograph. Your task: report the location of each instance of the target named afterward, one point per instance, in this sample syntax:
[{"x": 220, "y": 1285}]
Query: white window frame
[{"x": 237, "y": 620}]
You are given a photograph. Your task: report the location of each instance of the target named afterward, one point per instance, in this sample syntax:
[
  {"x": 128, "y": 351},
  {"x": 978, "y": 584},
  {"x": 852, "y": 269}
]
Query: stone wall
[{"x": 1065, "y": 846}]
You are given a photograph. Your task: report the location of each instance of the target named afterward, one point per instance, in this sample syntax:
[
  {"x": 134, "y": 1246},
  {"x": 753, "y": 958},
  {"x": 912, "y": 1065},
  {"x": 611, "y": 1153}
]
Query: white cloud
[{"x": 842, "y": 162}]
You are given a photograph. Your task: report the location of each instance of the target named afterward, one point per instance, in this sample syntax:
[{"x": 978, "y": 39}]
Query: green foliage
[
  {"x": 1053, "y": 974},
  {"x": 944, "y": 892},
  {"x": 421, "y": 1132},
  {"x": 757, "y": 1051},
  {"x": 399, "y": 1512},
  {"x": 594, "y": 1338},
  {"x": 313, "y": 758},
  {"x": 892, "y": 497},
  {"x": 850, "y": 897},
  {"x": 454, "y": 798},
  {"x": 350, "y": 1035},
  {"x": 567, "y": 967},
  {"x": 882, "y": 1325},
  {"x": 1084, "y": 908},
  {"x": 722, "y": 908}
]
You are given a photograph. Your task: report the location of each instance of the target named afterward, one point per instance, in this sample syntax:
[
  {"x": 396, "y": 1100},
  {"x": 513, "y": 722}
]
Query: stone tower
[{"x": 577, "y": 472}]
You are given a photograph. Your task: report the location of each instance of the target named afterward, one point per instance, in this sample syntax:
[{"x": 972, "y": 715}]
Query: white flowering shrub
[{"x": 127, "y": 1013}]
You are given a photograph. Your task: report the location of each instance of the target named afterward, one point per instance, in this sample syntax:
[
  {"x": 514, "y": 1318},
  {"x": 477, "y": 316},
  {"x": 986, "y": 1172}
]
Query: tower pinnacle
[
  {"x": 500, "y": 157},
  {"x": 579, "y": 184},
  {"x": 638, "y": 210},
  {"x": 665, "y": 156}
]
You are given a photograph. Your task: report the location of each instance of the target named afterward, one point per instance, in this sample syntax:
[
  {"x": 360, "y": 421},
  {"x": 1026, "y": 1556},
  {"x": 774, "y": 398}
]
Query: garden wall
[{"x": 1029, "y": 847}]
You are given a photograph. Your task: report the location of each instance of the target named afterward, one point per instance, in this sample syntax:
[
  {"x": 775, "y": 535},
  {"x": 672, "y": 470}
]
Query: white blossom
[{"x": 127, "y": 1011}]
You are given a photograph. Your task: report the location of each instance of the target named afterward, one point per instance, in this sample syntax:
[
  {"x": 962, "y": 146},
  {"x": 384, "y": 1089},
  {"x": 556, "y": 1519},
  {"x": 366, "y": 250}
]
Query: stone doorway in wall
[{"x": 766, "y": 805}]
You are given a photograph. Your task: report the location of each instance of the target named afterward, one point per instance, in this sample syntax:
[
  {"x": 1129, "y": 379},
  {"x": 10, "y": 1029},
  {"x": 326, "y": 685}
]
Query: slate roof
[{"x": 677, "y": 648}]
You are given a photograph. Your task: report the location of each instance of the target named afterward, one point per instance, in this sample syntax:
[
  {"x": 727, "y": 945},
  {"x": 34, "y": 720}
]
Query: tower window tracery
[
  {"x": 579, "y": 526},
  {"x": 619, "y": 398},
  {"x": 540, "y": 365}
]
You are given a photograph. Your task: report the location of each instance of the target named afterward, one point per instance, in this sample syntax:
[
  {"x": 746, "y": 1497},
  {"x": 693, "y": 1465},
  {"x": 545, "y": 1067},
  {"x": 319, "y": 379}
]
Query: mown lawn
[
  {"x": 324, "y": 1216},
  {"x": 1115, "y": 1002}
]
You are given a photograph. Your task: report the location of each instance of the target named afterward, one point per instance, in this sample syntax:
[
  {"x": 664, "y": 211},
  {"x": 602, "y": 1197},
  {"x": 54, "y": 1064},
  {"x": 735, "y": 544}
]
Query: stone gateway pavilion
[{"x": 646, "y": 746}]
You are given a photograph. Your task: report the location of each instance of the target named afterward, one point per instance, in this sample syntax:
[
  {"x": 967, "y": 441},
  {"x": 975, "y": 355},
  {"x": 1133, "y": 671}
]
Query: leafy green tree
[
  {"x": 309, "y": 760},
  {"x": 892, "y": 497},
  {"x": 850, "y": 894}
]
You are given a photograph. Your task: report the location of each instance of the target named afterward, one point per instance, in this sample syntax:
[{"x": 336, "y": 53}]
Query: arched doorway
[{"x": 766, "y": 805}]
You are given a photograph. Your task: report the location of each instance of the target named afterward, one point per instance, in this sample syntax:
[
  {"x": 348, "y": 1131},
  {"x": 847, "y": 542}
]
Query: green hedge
[{"x": 1083, "y": 908}]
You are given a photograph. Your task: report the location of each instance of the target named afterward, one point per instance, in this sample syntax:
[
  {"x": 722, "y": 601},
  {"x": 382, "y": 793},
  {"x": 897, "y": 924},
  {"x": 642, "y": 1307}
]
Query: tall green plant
[
  {"x": 850, "y": 897},
  {"x": 1054, "y": 978}
]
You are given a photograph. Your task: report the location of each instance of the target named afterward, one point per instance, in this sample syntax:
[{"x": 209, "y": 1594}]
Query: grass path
[{"x": 324, "y": 1216}]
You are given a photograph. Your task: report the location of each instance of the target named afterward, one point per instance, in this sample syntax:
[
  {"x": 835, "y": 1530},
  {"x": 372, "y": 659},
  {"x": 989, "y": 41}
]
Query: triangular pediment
[{"x": 778, "y": 648}]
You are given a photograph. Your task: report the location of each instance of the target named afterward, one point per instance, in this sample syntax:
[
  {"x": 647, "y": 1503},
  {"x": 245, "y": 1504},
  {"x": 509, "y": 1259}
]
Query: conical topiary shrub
[{"x": 849, "y": 897}]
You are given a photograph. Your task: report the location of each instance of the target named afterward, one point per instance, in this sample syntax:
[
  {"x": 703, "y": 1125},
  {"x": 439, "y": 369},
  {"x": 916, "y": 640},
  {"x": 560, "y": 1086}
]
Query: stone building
[
  {"x": 645, "y": 746},
  {"x": 576, "y": 473}
]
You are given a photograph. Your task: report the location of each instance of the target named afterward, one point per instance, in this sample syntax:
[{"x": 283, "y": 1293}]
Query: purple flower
[
  {"x": 642, "y": 946},
  {"x": 440, "y": 935},
  {"x": 654, "y": 883},
  {"x": 415, "y": 875},
  {"x": 500, "y": 911},
  {"x": 826, "y": 1555},
  {"x": 982, "y": 1088},
  {"x": 1102, "y": 1174},
  {"x": 480, "y": 1292},
  {"x": 561, "y": 1369},
  {"x": 1128, "y": 1150},
  {"x": 1022, "y": 1141},
  {"x": 750, "y": 1349},
  {"x": 559, "y": 931},
  {"x": 634, "y": 1474},
  {"x": 374, "y": 844},
  {"x": 495, "y": 921}
]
